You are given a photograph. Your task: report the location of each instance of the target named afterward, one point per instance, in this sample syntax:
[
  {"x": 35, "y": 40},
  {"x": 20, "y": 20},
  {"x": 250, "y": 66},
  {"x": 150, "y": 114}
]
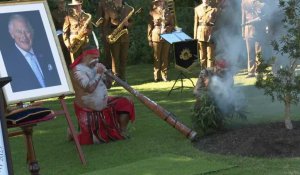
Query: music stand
[{"x": 185, "y": 55}]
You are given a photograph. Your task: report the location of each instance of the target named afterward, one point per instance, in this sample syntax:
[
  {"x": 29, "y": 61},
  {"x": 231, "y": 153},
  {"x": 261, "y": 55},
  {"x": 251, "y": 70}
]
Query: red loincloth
[{"x": 102, "y": 126}]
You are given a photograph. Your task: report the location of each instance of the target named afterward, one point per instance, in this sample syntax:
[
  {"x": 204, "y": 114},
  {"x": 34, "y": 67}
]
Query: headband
[{"x": 94, "y": 52}]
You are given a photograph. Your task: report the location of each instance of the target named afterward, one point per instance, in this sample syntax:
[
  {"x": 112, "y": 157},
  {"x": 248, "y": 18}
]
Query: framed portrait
[{"x": 30, "y": 53}]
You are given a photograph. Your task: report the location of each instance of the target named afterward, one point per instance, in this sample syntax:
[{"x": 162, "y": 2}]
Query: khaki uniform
[
  {"x": 59, "y": 18},
  {"x": 161, "y": 21},
  {"x": 253, "y": 32},
  {"x": 118, "y": 50},
  {"x": 204, "y": 21},
  {"x": 72, "y": 26},
  {"x": 104, "y": 31}
]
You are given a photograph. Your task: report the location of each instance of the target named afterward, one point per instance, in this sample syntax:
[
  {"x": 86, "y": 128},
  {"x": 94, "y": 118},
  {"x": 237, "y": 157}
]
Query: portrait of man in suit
[{"x": 30, "y": 66}]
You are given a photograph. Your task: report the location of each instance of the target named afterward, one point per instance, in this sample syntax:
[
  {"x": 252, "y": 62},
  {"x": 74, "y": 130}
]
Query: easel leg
[
  {"x": 189, "y": 79},
  {"x": 32, "y": 162},
  {"x": 72, "y": 129},
  {"x": 180, "y": 75},
  {"x": 174, "y": 84}
]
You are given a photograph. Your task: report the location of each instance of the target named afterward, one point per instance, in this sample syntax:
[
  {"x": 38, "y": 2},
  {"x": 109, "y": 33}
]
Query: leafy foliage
[
  {"x": 284, "y": 84},
  {"x": 207, "y": 117}
]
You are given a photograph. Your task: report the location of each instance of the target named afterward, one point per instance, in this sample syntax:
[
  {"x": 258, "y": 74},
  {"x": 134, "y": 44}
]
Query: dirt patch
[{"x": 263, "y": 140}]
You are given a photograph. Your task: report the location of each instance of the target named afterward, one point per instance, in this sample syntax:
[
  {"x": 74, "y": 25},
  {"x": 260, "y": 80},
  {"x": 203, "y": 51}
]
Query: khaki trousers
[
  {"x": 119, "y": 54},
  {"x": 161, "y": 60},
  {"x": 253, "y": 49},
  {"x": 107, "y": 54},
  {"x": 206, "y": 50}
]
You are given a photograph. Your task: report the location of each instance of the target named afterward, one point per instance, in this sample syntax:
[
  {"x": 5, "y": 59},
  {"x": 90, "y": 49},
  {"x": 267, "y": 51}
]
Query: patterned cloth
[{"x": 103, "y": 126}]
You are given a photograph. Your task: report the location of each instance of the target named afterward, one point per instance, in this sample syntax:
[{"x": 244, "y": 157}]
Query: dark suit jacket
[{"x": 23, "y": 78}]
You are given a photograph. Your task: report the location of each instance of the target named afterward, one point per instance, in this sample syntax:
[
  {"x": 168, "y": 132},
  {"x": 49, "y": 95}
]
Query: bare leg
[{"x": 123, "y": 121}]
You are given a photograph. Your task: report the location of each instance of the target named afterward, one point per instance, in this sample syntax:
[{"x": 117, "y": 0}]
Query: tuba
[
  {"x": 119, "y": 31},
  {"x": 80, "y": 38}
]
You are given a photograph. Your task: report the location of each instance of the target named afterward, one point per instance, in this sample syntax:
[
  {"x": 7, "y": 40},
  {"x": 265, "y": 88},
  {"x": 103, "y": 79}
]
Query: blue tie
[{"x": 34, "y": 66}]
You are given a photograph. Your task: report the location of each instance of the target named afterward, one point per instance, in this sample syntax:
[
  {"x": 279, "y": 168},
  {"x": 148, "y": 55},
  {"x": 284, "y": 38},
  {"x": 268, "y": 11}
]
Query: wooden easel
[
  {"x": 27, "y": 130},
  {"x": 66, "y": 113}
]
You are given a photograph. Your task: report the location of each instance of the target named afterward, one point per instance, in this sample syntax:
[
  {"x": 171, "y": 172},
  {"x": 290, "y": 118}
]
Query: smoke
[
  {"x": 228, "y": 99},
  {"x": 231, "y": 47},
  {"x": 228, "y": 34}
]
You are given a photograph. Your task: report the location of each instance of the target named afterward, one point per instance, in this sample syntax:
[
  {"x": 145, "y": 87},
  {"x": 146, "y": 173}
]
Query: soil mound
[{"x": 262, "y": 140}]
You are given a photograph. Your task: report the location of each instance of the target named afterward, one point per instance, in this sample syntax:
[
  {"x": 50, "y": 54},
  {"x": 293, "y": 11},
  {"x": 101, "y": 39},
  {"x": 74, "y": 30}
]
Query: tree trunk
[{"x": 287, "y": 118}]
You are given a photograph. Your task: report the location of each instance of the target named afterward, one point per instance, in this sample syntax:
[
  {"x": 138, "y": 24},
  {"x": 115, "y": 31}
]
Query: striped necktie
[{"x": 36, "y": 69}]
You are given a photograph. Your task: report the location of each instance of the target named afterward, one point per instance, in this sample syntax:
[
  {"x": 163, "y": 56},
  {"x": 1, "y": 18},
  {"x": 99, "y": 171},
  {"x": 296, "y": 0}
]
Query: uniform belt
[{"x": 73, "y": 33}]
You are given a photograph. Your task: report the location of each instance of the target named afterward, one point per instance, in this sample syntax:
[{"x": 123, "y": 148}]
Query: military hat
[{"x": 75, "y": 2}]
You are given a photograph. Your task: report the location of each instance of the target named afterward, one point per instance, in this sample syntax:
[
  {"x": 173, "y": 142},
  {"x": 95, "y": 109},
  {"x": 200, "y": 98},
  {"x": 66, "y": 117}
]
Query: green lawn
[{"x": 154, "y": 147}]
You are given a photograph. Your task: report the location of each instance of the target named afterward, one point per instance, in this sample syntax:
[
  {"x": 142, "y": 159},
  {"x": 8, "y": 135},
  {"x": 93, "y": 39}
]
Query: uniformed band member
[
  {"x": 114, "y": 18},
  {"x": 58, "y": 15},
  {"x": 205, "y": 18},
  {"x": 104, "y": 31},
  {"x": 253, "y": 31},
  {"x": 161, "y": 21},
  {"x": 77, "y": 23}
]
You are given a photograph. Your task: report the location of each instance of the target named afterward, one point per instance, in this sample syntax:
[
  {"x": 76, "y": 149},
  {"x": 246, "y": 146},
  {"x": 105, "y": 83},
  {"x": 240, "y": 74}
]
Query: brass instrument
[
  {"x": 80, "y": 38},
  {"x": 98, "y": 22},
  {"x": 119, "y": 31},
  {"x": 165, "y": 115}
]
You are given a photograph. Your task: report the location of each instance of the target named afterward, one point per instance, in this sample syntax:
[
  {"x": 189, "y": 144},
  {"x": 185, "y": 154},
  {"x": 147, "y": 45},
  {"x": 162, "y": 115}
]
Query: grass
[
  {"x": 153, "y": 141},
  {"x": 168, "y": 164}
]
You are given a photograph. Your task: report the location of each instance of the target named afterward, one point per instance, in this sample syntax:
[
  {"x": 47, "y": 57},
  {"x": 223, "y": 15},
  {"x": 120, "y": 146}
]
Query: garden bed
[{"x": 262, "y": 140}]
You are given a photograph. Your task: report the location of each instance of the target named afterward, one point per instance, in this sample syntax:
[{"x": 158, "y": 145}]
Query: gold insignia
[{"x": 185, "y": 54}]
